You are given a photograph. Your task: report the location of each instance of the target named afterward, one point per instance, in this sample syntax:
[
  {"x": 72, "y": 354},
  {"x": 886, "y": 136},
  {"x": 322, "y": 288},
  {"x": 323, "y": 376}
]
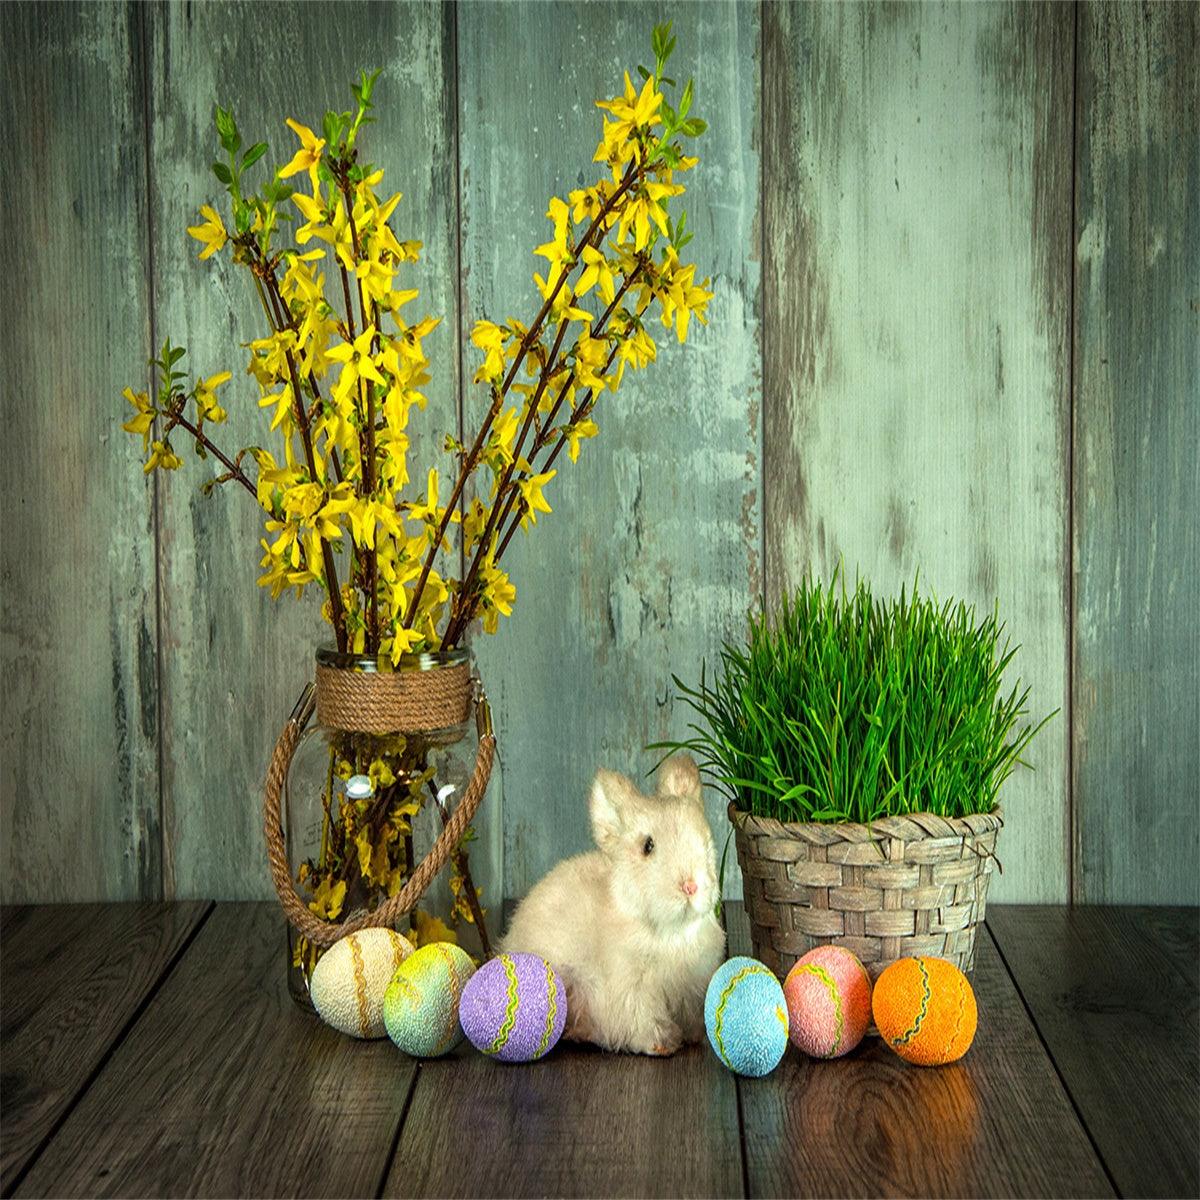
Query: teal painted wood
[
  {"x": 233, "y": 660},
  {"x": 1137, "y": 470},
  {"x": 79, "y": 810},
  {"x": 652, "y": 553},
  {"x": 916, "y": 312}
]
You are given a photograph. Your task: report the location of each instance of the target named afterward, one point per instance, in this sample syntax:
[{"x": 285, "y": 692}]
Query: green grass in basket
[{"x": 844, "y": 707}]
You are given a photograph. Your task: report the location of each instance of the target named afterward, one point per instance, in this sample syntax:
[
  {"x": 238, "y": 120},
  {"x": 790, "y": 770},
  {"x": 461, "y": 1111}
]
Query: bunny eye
[{"x": 648, "y": 846}]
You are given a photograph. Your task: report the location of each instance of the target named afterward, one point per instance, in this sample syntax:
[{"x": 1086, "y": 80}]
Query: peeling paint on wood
[
  {"x": 234, "y": 661},
  {"x": 78, "y": 743},
  {"x": 916, "y": 308},
  {"x": 1137, "y": 440},
  {"x": 652, "y": 553}
]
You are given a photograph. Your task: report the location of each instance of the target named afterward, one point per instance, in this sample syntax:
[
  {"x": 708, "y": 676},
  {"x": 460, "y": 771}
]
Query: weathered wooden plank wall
[
  {"x": 79, "y": 735},
  {"x": 655, "y": 556},
  {"x": 894, "y": 390},
  {"x": 917, "y": 304},
  {"x": 1137, "y": 455}
]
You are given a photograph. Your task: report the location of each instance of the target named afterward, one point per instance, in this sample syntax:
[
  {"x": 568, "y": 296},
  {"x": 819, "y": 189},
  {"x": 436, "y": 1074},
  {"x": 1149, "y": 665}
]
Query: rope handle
[{"x": 302, "y": 918}]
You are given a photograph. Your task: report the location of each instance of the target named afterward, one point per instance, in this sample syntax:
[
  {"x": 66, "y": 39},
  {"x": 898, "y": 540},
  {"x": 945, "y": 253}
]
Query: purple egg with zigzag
[{"x": 514, "y": 1008}]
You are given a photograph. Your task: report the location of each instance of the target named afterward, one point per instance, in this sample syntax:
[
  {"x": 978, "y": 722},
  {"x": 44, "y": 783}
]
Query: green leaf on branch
[
  {"x": 253, "y": 154},
  {"x": 227, "y": 130},
  {"x": 223, "y": 173}
]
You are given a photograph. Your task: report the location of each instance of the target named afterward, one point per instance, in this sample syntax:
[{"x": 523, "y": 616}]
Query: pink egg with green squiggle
[
  {"x": 828, "y": 995},
  {"x": 514, "y": 1008}
]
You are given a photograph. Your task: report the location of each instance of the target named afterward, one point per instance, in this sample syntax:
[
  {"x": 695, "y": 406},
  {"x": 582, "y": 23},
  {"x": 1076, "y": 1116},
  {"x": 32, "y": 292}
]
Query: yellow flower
[
  {"x": 309, "y": 154},
  {"x": 562, "y": 309},
  {"x": 596, "y": 270},
  {"x": 586, "y": 428},
  {"x": 490, "y": 339},
  {"x": 531, "y": 493},
  {"x": 282, "y": 400},
  {"x": 557, "y": 251},
  {"x": 162, "y": 456},
  {"x": 206, "y": 397},
  {"x": 403, "y": 640},
  {"x": 328, "y": 898},
  {"x": 500, "y": 444},
  {"x": 143, "y": 419},
  {"x": 432, "y": 929},
  {"x": 429, "y": 512},
  {"x": 497, "y": 596},
  {"x": 357, "y": 363},
  {"x": 635, "y": 113},
  {"x": 211, "y": 233},
  {"x": 587, "y": 203},
  {"x": 313, "y": 212}
]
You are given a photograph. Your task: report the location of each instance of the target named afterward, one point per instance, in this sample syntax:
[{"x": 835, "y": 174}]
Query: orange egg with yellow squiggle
[{"x": 925, "y": 1010}]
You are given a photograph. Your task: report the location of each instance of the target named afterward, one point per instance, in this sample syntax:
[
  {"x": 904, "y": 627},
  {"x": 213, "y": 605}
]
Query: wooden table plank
[
  {"x": 1114, "y": 996},
  {"x": 997, "y": 1123},
  {"x": 74, "y": 977},
  {"x": 226, "y": 1088},
  {"x": 580, "y": 1123}
]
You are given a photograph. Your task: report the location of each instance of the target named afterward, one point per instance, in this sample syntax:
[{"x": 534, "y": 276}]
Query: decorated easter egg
[
  {"x": 350, "y": 978},
  {"x": 420, "y": 1007},
  {"x": 925, "y": 1010},
  {"x": 828, "y": 995},
  {"x": 514, "y": 1008},
  {"x": 746, "y": 1016}
]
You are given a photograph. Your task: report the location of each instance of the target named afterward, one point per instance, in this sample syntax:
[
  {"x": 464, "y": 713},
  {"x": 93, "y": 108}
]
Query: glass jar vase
[{"x": 372, "y": 797}]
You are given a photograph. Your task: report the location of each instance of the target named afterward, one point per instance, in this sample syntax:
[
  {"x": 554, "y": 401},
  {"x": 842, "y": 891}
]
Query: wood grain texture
[
  {"x": 916, "y": 301},
  {"x": 996, "y": 1123},
  {"x": 653, "y": 552},
  {"x": 1121, "y": 1020},
  {"x": 580, "y": 1123},
  {"x": 74, "y": 976},
  {"x": 233, "y": 660},
  {"x": 226, "y": 1088},
  {"x": 79, "y": 804},
  {"x": 1137, "y": 466}
]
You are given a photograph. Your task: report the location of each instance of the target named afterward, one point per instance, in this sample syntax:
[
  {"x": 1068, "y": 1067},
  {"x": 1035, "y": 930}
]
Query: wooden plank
[
  {"x": 78, "y": 746},
  {"x": 74, "y": 977},
  {"x": 916, "y": 309},
  {"x": 1120, "y": 1017},
  {"x": 226, "y": 1088},
  {"x": 996, "y": 1123},
  {"x": 653, "y": 552},
  {"x": 579, "y": 1123},
  {"x": 233, "y": 660},
  {"x": 1137, "y": 473}
]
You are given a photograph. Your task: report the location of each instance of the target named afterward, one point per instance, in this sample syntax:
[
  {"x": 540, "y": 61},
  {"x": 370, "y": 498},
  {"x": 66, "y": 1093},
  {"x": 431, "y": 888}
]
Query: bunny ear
[
  {"x": 679, "y": 776},
  {"x": 607, "y": 805}
]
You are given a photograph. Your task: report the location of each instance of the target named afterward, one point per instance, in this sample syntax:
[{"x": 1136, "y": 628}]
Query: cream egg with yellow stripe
[{"x": 350, "y": 979}]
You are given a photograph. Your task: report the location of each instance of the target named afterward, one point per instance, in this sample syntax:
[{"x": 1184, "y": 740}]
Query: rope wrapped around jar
[{"x": 415, "y": 702}]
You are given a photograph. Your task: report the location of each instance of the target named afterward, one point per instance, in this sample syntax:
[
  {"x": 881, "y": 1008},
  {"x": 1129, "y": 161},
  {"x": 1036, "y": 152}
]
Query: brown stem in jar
[{"x": 462, "y": 864}]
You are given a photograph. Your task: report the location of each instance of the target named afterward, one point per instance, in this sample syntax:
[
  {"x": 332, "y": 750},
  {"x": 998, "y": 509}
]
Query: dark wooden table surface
[{"x": 152, "y": 1050}]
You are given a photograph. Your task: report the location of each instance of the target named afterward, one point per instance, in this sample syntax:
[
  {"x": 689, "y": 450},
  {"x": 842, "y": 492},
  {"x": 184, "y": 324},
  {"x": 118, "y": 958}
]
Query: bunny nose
[{"x": 689, "y": 887}]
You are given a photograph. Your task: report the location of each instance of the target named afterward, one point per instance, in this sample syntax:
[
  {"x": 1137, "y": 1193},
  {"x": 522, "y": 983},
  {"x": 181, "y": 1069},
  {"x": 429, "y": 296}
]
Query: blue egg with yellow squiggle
[{"x": 746, "y": 1016}]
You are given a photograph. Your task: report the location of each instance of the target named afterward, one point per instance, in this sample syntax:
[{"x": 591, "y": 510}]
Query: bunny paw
[{"x": 665, "y": 1042}]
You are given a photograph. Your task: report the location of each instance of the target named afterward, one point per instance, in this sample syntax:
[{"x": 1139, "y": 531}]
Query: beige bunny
[{"x": 631, "y": 926}]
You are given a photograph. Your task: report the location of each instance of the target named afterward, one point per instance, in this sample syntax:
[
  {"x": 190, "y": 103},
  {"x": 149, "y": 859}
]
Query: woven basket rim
[{"x": 910, "y": 827}]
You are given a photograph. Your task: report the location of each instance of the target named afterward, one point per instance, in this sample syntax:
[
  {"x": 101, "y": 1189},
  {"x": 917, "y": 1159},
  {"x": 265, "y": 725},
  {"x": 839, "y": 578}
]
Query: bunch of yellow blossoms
[{"x": 341, "y": 367}]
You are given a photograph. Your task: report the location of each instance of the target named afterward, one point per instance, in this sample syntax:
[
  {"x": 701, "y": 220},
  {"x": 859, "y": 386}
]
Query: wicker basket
[{"x": 900, "y": 886}]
